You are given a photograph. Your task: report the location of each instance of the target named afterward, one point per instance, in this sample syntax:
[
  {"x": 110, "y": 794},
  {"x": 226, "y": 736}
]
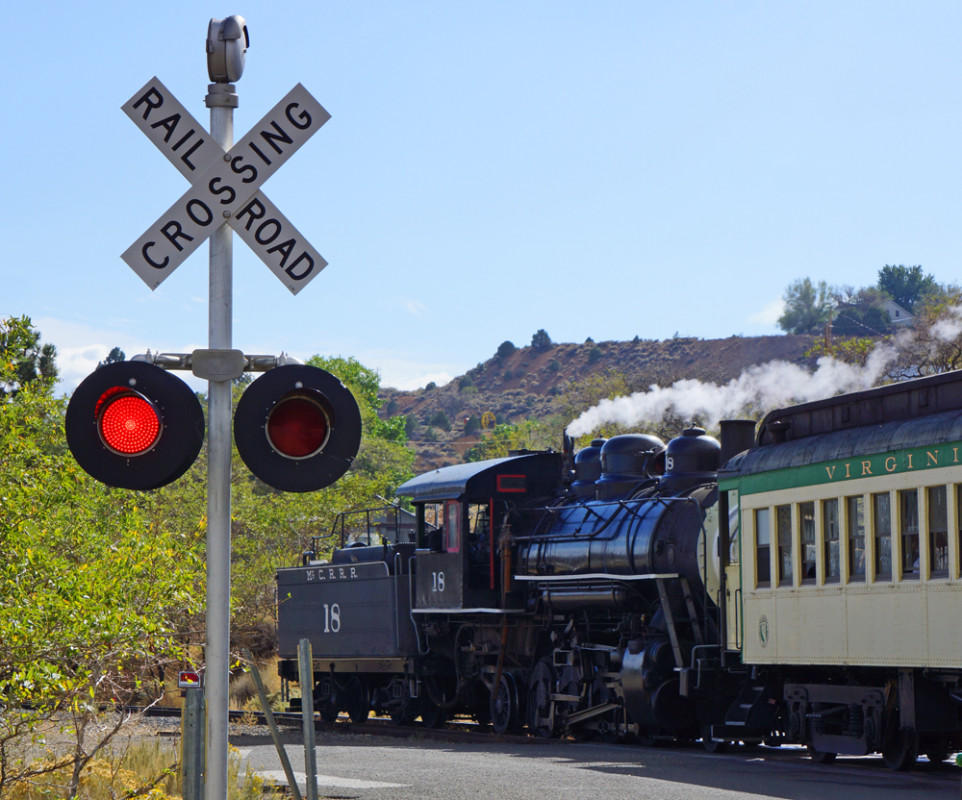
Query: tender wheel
[
  {"x": 504, "y": 706},
  {"x": 325, "y": 701},
  {"x": 353, "y": 698},
  {"x": 401, "y": 707},
  {"x": 540, "y": 686}
]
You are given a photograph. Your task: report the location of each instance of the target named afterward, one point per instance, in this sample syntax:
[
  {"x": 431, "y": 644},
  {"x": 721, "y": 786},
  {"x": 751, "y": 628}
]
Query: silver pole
[
  {"x": 221, "y": 101},
  {"x": 192, "y": 744},
  {"x": 305, "y": 676}
]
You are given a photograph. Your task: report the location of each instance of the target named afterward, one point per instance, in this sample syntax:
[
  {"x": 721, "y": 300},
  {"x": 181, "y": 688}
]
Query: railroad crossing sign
[{"x": 224, "y": 186}]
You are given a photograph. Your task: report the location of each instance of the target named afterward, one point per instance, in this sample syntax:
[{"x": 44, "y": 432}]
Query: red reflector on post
[
  {"x": 187, "y": 679},
  {"x": 297, "y": 426},
  {"x": 128, "y": 422}
]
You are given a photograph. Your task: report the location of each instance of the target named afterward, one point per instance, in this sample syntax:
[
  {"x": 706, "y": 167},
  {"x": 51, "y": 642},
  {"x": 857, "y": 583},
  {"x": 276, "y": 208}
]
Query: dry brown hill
[{"x": 532, "y": 384}]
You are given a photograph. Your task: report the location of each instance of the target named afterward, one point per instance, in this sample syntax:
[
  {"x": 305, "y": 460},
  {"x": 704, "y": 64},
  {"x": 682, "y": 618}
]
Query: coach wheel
[
  {"x": 540, "y": 686},
  {"x": 936, "y": 749},
  {"x": 900, "y": 746},
  {"x": 505, "y": 709}
]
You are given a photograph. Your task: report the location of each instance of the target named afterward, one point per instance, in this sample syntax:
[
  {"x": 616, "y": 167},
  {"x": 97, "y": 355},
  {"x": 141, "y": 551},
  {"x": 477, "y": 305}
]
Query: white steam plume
[{"x": 759, "y": 388}]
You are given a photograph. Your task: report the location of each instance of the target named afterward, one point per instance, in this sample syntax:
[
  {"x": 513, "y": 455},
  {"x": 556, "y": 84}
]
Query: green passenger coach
[{"x": 842, "y": 585}]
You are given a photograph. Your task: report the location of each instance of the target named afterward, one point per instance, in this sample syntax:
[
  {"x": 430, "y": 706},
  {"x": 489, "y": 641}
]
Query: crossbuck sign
[{"x": 224, "y": 186}]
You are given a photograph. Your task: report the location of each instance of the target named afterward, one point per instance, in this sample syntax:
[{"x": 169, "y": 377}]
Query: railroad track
[{"x": 454, "y": 730}]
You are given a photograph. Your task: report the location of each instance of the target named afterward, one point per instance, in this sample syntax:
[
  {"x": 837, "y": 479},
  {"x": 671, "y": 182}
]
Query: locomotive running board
[
  {"x": 468, "y": 611},
  {"x": 594, "y": 576}
]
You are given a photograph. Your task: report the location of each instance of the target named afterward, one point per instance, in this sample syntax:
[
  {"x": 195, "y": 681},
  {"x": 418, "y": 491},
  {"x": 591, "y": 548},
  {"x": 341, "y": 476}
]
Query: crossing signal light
[
  {"x": 297, "y": 428},
  {"x": 135, "y": 426}
]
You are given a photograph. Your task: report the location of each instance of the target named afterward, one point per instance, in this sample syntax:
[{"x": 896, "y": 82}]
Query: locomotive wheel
[
  {"x": 403, "y": 713},
  {"x": 711, "y": 745},
  {"x": 432, "y": 716},
  {"x": 569, "y": 683},
  {"x": 504, "y": 706},
  {"x": 821, "y": 757},
  {"x": 353, "y": 698},
  {"x": 541, "y": 684}
]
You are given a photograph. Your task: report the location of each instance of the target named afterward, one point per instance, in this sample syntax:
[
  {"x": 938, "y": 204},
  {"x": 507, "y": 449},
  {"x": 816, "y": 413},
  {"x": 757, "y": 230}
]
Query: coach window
[
  {"x": 855, "y": 508},
  {"x": 938, "y": 533},
  {"x": 882, "y": 525},
  {"x": 783, "y": 523},
  {"x": 734, "y": 550},
  {"x": 909, "y": 532},
  {"x": 452, "y": 526},
  {"x": 762, "y": 548},
  {"x": 830, "y": 532},
  {"x": 806, "y": 513}
]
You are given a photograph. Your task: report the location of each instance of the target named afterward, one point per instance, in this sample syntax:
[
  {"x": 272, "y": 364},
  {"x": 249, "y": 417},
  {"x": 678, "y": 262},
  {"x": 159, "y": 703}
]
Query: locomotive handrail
[{"x": 411, "y": 609}]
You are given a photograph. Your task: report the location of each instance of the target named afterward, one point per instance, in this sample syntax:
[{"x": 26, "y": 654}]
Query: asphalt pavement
[{"x": 363, "y": 767}]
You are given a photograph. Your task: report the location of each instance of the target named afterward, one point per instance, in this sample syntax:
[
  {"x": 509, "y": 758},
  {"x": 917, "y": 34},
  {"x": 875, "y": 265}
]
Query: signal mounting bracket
[{"x": 218, "y": 365}]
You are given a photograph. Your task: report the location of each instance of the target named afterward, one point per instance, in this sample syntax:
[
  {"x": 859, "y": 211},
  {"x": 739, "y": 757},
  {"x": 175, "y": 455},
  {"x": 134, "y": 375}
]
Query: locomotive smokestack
[{"x": 737, "y": 435}]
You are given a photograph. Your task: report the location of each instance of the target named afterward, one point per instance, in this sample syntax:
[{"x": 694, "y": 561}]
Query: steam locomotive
[{"x": 795, "y": 584}]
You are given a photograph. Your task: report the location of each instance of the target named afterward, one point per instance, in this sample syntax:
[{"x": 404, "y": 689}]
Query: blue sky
[{"x": 603, "y": 170}]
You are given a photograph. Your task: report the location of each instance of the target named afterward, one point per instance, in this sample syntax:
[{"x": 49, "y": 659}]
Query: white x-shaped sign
[{"x": 224, "y": 186}]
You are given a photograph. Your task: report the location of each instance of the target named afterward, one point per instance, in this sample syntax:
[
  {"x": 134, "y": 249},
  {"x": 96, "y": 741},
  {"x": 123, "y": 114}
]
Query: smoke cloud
[{"x": 759, "y": 389}]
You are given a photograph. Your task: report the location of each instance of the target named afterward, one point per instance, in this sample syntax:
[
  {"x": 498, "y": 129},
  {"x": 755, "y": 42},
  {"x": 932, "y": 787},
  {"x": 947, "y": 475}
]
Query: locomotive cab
[{"x": 464, "y": 517}]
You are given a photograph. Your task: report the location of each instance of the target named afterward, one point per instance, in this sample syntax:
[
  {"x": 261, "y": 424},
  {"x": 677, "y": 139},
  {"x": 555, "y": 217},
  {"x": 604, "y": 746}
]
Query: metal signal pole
[{"x": 226, "y": 44}]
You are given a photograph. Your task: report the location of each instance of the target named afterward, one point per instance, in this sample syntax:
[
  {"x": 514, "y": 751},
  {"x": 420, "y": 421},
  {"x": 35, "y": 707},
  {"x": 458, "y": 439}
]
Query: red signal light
[
  {"x": 298, "y": 426},
  {"x": 128, "y": 422},
  {"x": 132, "y": 425}
]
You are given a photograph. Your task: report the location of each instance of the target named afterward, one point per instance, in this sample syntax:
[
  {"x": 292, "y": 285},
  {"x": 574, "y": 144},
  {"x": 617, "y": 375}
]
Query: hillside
[{"x": 528, "y": 384}]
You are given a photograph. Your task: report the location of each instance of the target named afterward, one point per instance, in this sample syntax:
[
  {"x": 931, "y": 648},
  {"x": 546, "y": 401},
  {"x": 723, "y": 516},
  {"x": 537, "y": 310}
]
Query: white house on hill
[{"x": 897, "y": 314}]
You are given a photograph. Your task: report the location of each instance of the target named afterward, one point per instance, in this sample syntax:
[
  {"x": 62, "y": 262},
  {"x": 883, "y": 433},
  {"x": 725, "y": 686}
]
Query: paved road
[{"x": 378, "y": 768}]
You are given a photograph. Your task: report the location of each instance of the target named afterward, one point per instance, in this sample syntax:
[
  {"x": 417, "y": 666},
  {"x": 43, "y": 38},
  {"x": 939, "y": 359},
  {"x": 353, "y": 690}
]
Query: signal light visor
[{"x": 128, "y": 423}]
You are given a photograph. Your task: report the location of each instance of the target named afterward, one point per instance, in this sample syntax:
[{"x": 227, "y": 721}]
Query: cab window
[{"x": 452, "y": 526}]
